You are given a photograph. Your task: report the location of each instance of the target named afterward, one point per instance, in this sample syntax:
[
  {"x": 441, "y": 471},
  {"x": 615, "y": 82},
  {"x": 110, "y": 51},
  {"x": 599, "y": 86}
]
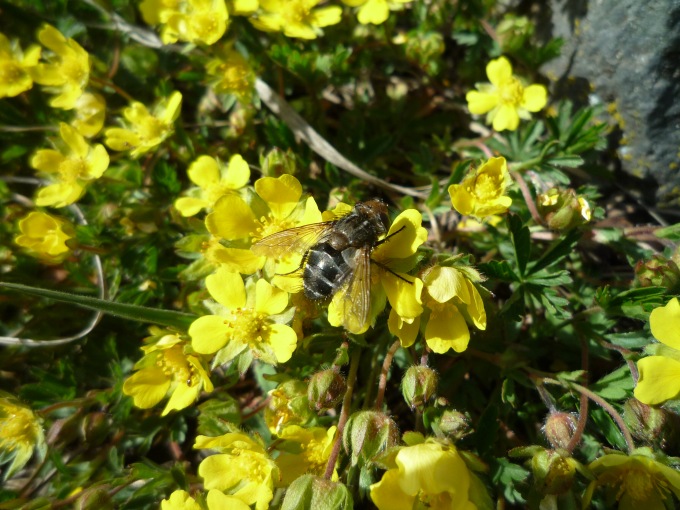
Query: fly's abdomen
[{"x": 324, "y": 271}]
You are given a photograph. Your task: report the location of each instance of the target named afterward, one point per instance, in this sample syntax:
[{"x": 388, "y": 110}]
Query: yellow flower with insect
[
  {"x": 72, "y": 168},
  {"x": 451, "y": 301},
  {"x": 194, "y": 21},
  {"x": 241, "y": 469},
  {"x": 228, "y": 72},
  {"x": 169, "y": 367},
  {"x": 144, "y": 130},
  {"x": 296, "y": 18},
  {"x": 303, "y": 450},
  {"x": 482, "y": 192},
  {"x": 428, "y": 474},
  {"x": 375, "y": 11},
  {"x": 20, "y": 434},
  {"x": 637, "y": 480},
  {"x": 505, "y": 100},
  {"x": 213, "y": 180},
  {"x": 660, "y": 374},
  {"x": 66, "y": 71},
  {"x": 90, "y": 113},
  {"x": 248, "y": 317},
  {"x": 16, "y": 67},
  {"x": 45, "y": 236}
]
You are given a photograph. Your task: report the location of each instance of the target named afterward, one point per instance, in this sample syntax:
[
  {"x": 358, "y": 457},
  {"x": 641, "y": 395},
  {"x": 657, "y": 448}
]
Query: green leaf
[
  {"x": 167, "y": 318},
  {"x": 521, "y": 241},
  {"x": 570, "y": 161},
  {"x": 671, "y": 232},
  {"x": 559, "y": 249},
  {"x": 499, "y": 270},
  {"x": 615, "y": 386}
]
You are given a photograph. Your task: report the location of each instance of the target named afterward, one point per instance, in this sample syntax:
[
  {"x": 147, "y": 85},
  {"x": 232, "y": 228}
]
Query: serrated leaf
[
  {"x": 557, "y": 251},
  {"x": 546, "y": 279},
  {"x": 167, "y": 318},
  {"x": 499, "y": 270},
  {"x": 521, "y": 242},
  {"x": 615, "y": 386}
]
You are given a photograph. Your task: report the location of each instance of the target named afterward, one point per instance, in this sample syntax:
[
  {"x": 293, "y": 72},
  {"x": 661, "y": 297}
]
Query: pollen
[
  {"x": 270, "y": 225},
  {"x": 512, "y": 92},
  {"x": 17, "y": 427},
  {"x": 173, "y": 362},
  {"x": 249, "y": 326}
]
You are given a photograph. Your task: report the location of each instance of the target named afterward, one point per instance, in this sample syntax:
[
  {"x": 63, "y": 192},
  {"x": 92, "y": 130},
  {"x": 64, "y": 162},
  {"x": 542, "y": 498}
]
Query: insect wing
[
  {"x": 355, "y": 304},
  {"x": 293, "y": 240}
]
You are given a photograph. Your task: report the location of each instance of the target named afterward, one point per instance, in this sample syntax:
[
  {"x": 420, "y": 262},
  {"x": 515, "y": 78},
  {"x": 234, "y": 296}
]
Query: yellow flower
[
  {"x": 309, "y": 452},
  {"x": 482, "y": 193},
  {"x": 214, "y": 180},
  {"x": 229, "y": 73},
  {"x": 245, "y": 322},
  {"x": 67, "y": 70},
  {"x": 505, "y": 100},
  {"x": 296, "y": 18},
  {"x": 242, "y": 7},
  {"x": 144, "y": 130},
  {"x": 277, "y": 207},
  {"x": 389, "y": 281},
  {"x": 429, "y": 474},
  {"x": 45, "y": 236},
  {"x": 660, "y": 375},
  {"x": 374, "y": 11},
  {"x": 20, "y": 434},
  {"x": 90, "y": 114},
  {"x": 242, "y": 469},
  {"x": 638, "y": 480},
  {"x": 168, "y": 368},
  {"x": 72, "y": 169},
  {"x": 195, "y": 21},
  {"x": 16, "y": 67},
  {"x": 452, "y": 299}
]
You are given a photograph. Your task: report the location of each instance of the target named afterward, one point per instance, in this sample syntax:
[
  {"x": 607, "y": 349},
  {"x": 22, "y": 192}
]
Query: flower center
[
  {"x": 270, "y": 225},
  {"x": 11, "y": 72},
  {"x": 17, "y": 427},
  {"x": 486, "y": 187},
  {"x": 71, "y": 169},
  {"x": 173, "y": 362},
  {"x": 295, "y": 13},
  {"x": 638, "y": 484},
  {"x": 511, "y": 92},
  {"x": 151, "y": 129},
  {"x": 73, "y": 70},
  {"x": 249, "y": 326}
]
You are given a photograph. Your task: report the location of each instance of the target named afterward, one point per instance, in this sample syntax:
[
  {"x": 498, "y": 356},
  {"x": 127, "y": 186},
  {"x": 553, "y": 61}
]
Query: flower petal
[
  {"x": 535, "y": 98},
  {"x": 409, "y": 235},
  {"x": 404, "y": 296},
  {"x": 443, "y": 283},
  {"x": 209, "y": 334},
  {"x": 388, "y": 495},
  {"x": 189, "y": 206},
  {"x": 447, "y": 330},
  {"x": 506, "y": 118},
  {"x": 269, "y": 300},
  {"x": 281, "y": 194},
  {"x": 283, "y": 341},
  {"x": 499, "y": 71},
  {"x": 231, "y": 218},
  {"x": 373, "y": 11},
  {"x": 665, "y": 324},
  {"x": 227, "y": 288},
  {"x": 404, "y": 331},
  {"x": 480, "y": 102},
  {"x": 659, "y": 380},
  {"x": 238, "y": 173},
  {"x": 147, "y": 387},
  {"x": 204, "y": 172}
]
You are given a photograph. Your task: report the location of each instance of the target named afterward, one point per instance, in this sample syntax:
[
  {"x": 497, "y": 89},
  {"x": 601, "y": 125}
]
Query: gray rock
[{"x": 629, "y": 51}]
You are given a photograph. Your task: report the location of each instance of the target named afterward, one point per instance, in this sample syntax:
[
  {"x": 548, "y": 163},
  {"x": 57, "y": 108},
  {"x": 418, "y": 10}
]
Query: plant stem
[
  {"x": 344, "y": 413},
  {"x": 382, "y": 382}
]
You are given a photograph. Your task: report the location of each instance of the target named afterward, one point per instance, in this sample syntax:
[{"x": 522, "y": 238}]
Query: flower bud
[
  {"x": 454, "y": 424},
  {"x": 325, "y": 390},
  {"x": 653, "y": 425},
  {"x": 95, "y": 428},
  {"x": 277, "y": 163},
  {"x": 553, "y": 471},
  {"x": 658, "y": 272},
  {"x": 96, "y": 498},
  {"x": 309, "y": 491},
  {"x": 368, "y": 434},
  {"x": 559, "y": 429},
  {"x": 288, "y": 405},
  {"x": 563, "y": 209},
  {"x": 425, "y": 48},
  {"x": 418, "y": 385}
]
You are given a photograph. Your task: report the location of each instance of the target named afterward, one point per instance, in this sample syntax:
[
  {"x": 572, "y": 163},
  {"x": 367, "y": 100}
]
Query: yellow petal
[
  {"x": 430, "y": 468},
  {"x": 231, "y": 218},
  {"x": 281, "y": 194},
  {"x": 170, "y": 108},
  {"x": 269, "y": 300},
  {"x": 443, "y": 283},
  {"x": 180, "y": 500},
  {"x": 98, "y": 162},
  {"x": 238, "y": 173},
  {"x": 183, "y": 396},
  {"x": 189, "y": 206},
  {"x": 506, "y": 117},
  {"x": 283, "y": 341},
  {"x": 475, "y": 307},
  {"x": 209, "y": 334},
  {"x": 388, "y": 495},
  {"x": 51, "y": 38},
  {"x": 59, "y": 195},
  {"x": 227, "y": 288},
  {"x": 535, "y": 98},
  {"x": 447, "y": 330},
  {"x": 665, "y": 324},
  {"x": 408, "y": 236},
  {"x": 480, "y": 102},
  {"x": 147, "y": 387},
  {"x": 404, "y": 331},
  {"x": 373, "y": 11},
  {"x": 659, "y": 380},
  {"x": 461, "y": 200},
  {"x": 204, "y": 172},
  {"x": 404, "y": 296},
  {"x": 218, "y": 500},
  {"x": 326, "y": 16},
  {"x": 237, "y": 260},
  {"x": 47, "y": 160},
  {"x": 499, "y": 71}
]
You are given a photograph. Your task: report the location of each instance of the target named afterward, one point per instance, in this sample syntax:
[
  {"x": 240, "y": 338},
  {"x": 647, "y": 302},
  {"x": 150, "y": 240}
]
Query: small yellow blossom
[
  {"x": 277, "y": 207},
  {"x": 505, "y": 100},
  {"x": 214, "y": 180},
  {"x": 389, "y": 281},
  {"x": 90, "y": 113},
  {"x": 374, "y": 11},
  {"x": 45, "y": 236},
  {"x": 168, "y": 368},
  {"x": 67, "y": 69},
  {"x": 451, "y": 299},
  {"x": 242, "y": 469},
  {"x": 660, "y": 374},
  {"x": 245, "y": 322},
  {"x": 229, "y": 73},
  {"x": 430, "y": 475},
  {"x": 144, "y": 130},
  {"x": 482, "y": 192},
  {"x": 16, "y": 67},
  {"x": 637, "y": 480},
  {"x": 195, "y": 21},
  {"x": 72, "y": 169},
  {"x": 296, "y": 18},
  {"x": 309, "y": 454},
  {"x": 20, "y": 434}
]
